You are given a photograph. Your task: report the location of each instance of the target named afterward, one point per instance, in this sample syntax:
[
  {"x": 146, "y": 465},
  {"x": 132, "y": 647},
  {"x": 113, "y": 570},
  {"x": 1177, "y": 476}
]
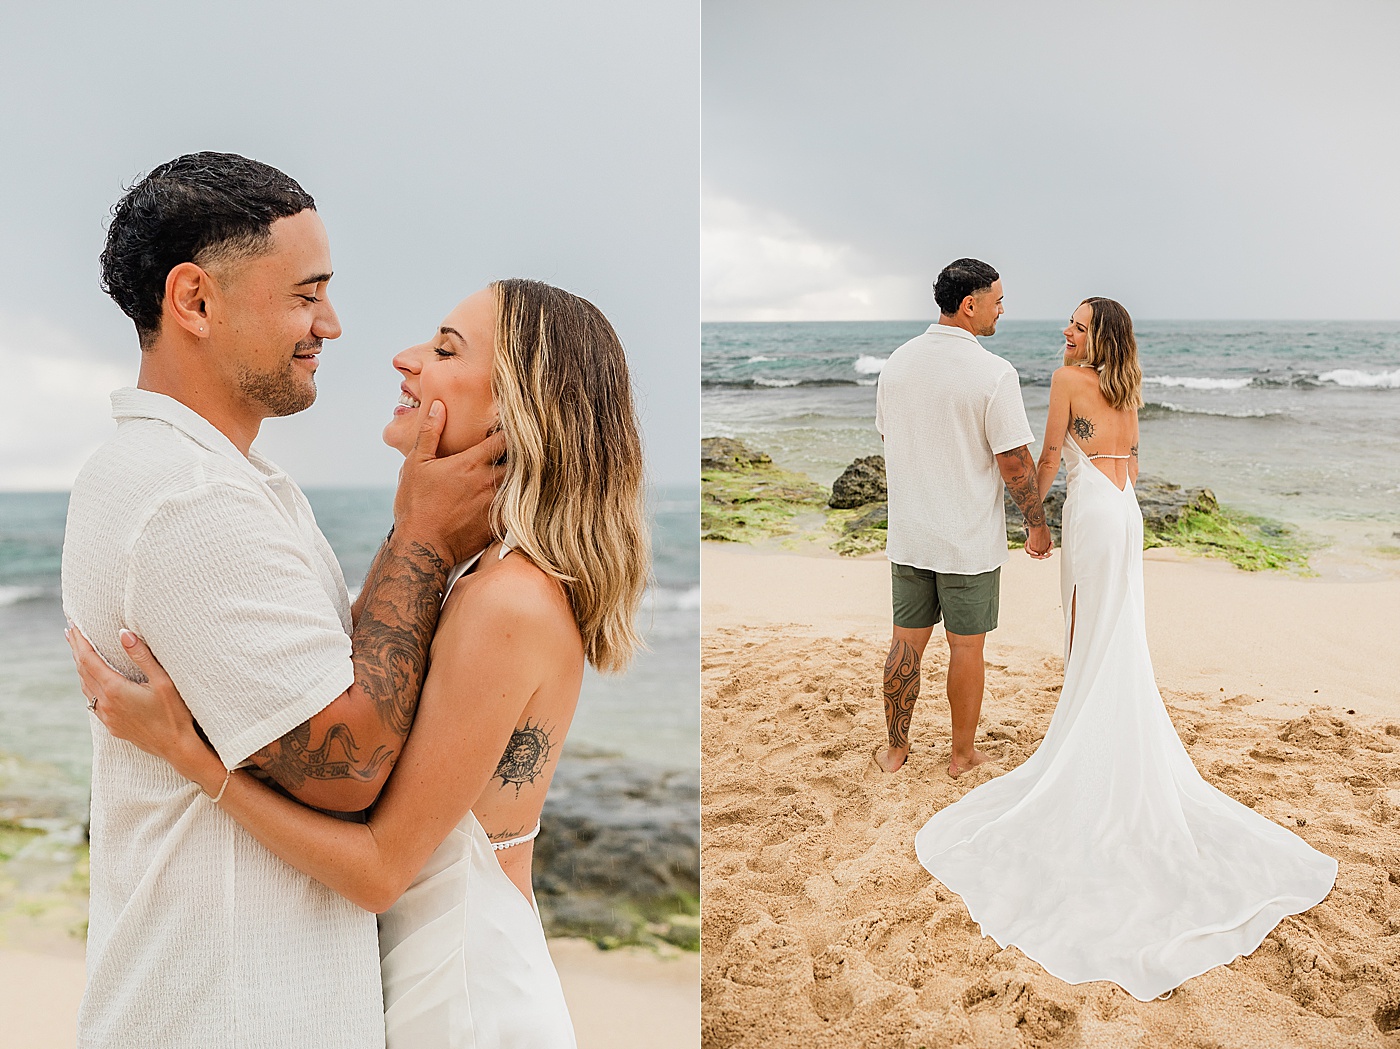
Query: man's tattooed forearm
[
  {"x": 901, "y": 691},
  {"x": 1021, "y": 483},
  {"x": 402, "y": 601},
  {"x": 291, "y": 760},
  {"x": 526, "y": 756}
]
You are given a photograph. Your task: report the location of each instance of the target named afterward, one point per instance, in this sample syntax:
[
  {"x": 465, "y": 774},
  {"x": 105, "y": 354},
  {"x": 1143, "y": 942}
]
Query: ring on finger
[{"x": 92, "y": 703}]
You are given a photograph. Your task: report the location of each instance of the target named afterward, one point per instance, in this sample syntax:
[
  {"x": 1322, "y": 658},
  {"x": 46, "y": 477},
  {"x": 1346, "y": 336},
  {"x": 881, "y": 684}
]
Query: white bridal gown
[
  {"x": 462, "y": 954},
  {"x": 1105, "y": 855}
]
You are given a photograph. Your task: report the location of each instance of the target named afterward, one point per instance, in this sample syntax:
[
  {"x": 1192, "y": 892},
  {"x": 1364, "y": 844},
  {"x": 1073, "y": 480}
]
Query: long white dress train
[
  {"x": 463, "y": 957},
  {"x": 1105, "y": 855}
]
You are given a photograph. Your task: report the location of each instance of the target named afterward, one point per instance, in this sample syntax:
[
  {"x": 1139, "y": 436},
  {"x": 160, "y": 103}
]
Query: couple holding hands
[{"x": 1105, "y": 855}]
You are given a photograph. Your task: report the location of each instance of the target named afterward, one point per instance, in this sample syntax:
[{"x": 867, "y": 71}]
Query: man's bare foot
[
  {"x": 890, "y": 759},
  {"x": 957, "y": 767}
]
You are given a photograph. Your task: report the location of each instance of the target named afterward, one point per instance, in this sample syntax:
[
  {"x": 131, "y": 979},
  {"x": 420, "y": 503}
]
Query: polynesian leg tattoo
[
  {"x": 389, "y": 649},
  {"x": 901, "y": 691},
  {"x": 526, "y": 756},
  {"x": 1083, "y": 428}
]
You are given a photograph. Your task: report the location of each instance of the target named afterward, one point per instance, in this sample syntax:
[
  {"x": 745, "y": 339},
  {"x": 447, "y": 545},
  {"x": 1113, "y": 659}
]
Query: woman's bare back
[
  {"x": 509, "y": 807},
  {"x": 1098, "y": 428}
]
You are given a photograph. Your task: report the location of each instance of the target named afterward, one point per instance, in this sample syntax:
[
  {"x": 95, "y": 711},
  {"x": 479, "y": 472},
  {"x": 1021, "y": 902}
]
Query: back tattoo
[{"x": 526, "y": 756}]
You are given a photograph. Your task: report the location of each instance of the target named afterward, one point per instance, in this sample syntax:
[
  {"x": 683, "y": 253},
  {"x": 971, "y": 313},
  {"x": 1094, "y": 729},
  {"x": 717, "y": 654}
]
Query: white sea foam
[
  {"x": 778, "y": 383},
  {"x": 13, "y": 595},
  {"x": 868, "y": 365},
  {"x": 1352, "y": 377},
  {"x": 672, "y": 598},
  {"x": 760, "y": 359},
  {"x": 1184, "y": 410},
  {"x": 1191, "y": 382}
]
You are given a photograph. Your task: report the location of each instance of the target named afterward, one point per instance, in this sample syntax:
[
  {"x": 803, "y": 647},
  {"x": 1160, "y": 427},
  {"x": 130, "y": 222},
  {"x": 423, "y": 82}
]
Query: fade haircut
[
  {"x": 959, "y": 279},
  {"x": 203, "y": 208}
]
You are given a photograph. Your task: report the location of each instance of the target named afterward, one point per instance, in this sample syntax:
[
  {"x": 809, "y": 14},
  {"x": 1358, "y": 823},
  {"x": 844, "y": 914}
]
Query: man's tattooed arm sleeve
[
  {"x": 358, "y": 742},
  {"x": 1018, "y": 471}
]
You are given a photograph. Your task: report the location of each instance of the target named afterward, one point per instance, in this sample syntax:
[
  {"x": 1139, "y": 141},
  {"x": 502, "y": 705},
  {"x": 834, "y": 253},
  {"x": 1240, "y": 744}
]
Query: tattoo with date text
[
  {"x": 291, "y": 760},
  {"x": 398, "y": 612}
]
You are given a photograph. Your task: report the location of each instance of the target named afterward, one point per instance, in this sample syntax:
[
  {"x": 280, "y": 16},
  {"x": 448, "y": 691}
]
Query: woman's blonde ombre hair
[
  {"x": 572, "y": 494},
  {"x": 1112, "y": 349}
]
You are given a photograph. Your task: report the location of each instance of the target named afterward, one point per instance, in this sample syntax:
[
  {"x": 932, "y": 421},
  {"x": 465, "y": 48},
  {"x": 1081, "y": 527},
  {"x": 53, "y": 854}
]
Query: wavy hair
[
  {"x": 1112, "y": 349},
  {"x": 572, "y": 494}
]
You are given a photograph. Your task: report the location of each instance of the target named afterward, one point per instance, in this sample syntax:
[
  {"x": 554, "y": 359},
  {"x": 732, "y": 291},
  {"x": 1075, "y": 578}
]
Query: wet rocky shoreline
[
  {"x": 746, "y": 497},
  {"x": 617, "y": 860}
]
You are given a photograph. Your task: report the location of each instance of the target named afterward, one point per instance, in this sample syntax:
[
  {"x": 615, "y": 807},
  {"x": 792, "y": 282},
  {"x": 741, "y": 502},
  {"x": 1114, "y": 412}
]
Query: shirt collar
[
  {"x": 952, "y": 329},
  {"x": 132, "y": 403}
]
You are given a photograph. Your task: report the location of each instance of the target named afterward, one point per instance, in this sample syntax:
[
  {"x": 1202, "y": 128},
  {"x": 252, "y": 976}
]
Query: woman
[
  {"x": 1105, "y": 855},
  {"x": 445, "y": 856}
]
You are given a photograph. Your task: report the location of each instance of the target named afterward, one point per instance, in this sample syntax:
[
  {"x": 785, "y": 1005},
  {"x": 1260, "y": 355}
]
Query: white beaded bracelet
[{"x": 216, "y": 797}]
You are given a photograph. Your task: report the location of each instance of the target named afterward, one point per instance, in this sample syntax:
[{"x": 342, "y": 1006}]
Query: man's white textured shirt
[
  {"x": 199, "y": 937},
  {"x": 947, "y": 408}
]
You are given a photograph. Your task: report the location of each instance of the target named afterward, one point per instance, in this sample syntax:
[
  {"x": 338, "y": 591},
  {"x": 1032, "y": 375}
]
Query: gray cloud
[
  {"x": 1233, "y": 158},
  {"x": 447, "y": 144}
]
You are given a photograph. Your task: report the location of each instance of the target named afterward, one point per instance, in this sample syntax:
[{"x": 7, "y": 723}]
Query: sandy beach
[
  {"x": 629, "y": 998},
  {"x": 820, "y": 927}
]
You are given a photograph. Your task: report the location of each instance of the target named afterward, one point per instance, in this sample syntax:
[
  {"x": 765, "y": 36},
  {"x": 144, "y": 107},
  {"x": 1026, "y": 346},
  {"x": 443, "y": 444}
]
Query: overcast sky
[
  {"x": 1192, "y": 158},
  {"x": 446, "y": 144}
]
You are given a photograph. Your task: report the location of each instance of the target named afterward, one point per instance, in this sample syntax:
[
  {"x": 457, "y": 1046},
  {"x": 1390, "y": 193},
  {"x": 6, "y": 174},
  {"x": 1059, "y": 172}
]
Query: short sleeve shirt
[
  {"x": 198, "y": 935},
  {"x": 947, "y": 408}
]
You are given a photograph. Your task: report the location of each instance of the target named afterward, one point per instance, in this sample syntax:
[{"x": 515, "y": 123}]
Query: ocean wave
[
  {"x": 1372, "y": 380},
  {"x": 760, "y": 359},
  {"x": 677, "y": 598},
  {"x": 13, "y": 595},
  {"x": 1181, "y": 409},
  {"x": 1191, "y": 382},
  {"x": 749, "y": 384},
  {"x": 867, "y": 365}
]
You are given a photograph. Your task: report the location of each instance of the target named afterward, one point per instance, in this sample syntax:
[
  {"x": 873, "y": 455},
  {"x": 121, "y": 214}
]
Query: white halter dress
[
  {"x": 462, "y": 954},
  {"x": 1105, "y": 855}
]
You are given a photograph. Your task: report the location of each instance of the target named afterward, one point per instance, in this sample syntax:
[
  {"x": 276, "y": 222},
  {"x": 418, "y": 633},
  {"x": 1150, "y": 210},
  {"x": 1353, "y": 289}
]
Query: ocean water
[
  {"x": 1294, "y": 420},
  {"x": 650, "y": 714}
]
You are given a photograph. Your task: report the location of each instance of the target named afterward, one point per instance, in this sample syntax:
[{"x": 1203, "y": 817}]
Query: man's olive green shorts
[{"x": 967, "y": 604}]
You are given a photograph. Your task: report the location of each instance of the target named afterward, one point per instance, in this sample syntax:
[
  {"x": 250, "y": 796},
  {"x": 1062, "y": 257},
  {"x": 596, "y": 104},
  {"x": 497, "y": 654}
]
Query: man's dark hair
[
  {"x": 201, "y": 208},
  {"x": 959, "y": 279}
]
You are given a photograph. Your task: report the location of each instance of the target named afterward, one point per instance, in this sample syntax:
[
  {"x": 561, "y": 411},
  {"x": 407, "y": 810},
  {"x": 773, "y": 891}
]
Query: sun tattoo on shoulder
[
  {"x": 1082, "y": 427},
  {"x": 526, "y": 757}
]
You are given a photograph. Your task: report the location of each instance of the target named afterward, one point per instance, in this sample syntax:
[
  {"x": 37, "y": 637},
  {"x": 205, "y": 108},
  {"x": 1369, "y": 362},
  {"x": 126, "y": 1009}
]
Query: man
[
  {"x": 954, "y": 428},
  {"x": 179, "y": 531}
]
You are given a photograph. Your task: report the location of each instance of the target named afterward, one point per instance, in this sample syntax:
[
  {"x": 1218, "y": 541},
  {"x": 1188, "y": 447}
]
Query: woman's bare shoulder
[
  {"x": 509, "y": 594},
  {"x": 1074, "y": 373}
]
